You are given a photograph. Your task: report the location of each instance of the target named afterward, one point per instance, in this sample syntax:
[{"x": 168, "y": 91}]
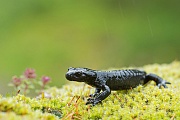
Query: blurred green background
[{"x": 52, "y": 35}]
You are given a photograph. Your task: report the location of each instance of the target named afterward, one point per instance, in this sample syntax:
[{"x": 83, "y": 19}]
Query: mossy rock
[{"x": 68, "y": 102}]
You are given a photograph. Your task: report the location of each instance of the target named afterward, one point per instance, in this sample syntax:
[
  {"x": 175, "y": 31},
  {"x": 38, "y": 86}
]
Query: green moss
[{"x": 68, "y": 102}]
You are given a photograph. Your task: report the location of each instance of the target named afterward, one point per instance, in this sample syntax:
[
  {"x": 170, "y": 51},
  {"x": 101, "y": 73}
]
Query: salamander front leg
[
  {"x": 106, "y": 92},
  {"x": 97, "y": 91}
]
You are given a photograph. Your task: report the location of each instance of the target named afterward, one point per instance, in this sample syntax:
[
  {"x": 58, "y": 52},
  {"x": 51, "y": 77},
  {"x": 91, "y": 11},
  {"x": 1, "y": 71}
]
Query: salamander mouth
[{"x": 68, "y": 77}]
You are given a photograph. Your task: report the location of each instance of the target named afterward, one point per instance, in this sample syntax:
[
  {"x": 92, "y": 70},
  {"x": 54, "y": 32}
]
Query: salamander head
[{"x": 80, "y": 74}]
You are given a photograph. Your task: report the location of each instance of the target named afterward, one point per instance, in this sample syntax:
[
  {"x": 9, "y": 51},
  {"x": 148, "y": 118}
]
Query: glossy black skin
[{"x": 111, "y": 80}]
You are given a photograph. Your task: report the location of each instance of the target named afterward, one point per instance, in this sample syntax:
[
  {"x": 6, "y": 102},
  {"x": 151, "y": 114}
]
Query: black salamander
[{"x": 106, "y": 81}]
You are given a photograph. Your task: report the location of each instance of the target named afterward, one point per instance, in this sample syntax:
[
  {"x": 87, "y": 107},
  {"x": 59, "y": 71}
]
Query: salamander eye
[{"x": 78, "y": 74}]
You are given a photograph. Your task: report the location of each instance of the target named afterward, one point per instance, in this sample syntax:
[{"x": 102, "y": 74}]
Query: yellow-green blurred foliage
[{"x": 51, "y": 35}]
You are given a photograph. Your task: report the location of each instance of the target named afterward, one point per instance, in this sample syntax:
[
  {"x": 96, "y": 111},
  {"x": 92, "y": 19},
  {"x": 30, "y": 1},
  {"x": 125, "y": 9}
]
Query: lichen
[{"x": 68, "y": 102}]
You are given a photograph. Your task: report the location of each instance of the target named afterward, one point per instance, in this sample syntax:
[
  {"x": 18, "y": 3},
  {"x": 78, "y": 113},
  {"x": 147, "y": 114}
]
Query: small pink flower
[
  {"x": 16, "y": 81},
  {"x": 45, "y": 79},
  {"x": 30, "y": 73}
]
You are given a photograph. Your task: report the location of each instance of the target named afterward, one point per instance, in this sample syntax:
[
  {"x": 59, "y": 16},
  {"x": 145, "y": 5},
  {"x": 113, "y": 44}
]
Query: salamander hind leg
[{"x": 159, "y": 81}]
